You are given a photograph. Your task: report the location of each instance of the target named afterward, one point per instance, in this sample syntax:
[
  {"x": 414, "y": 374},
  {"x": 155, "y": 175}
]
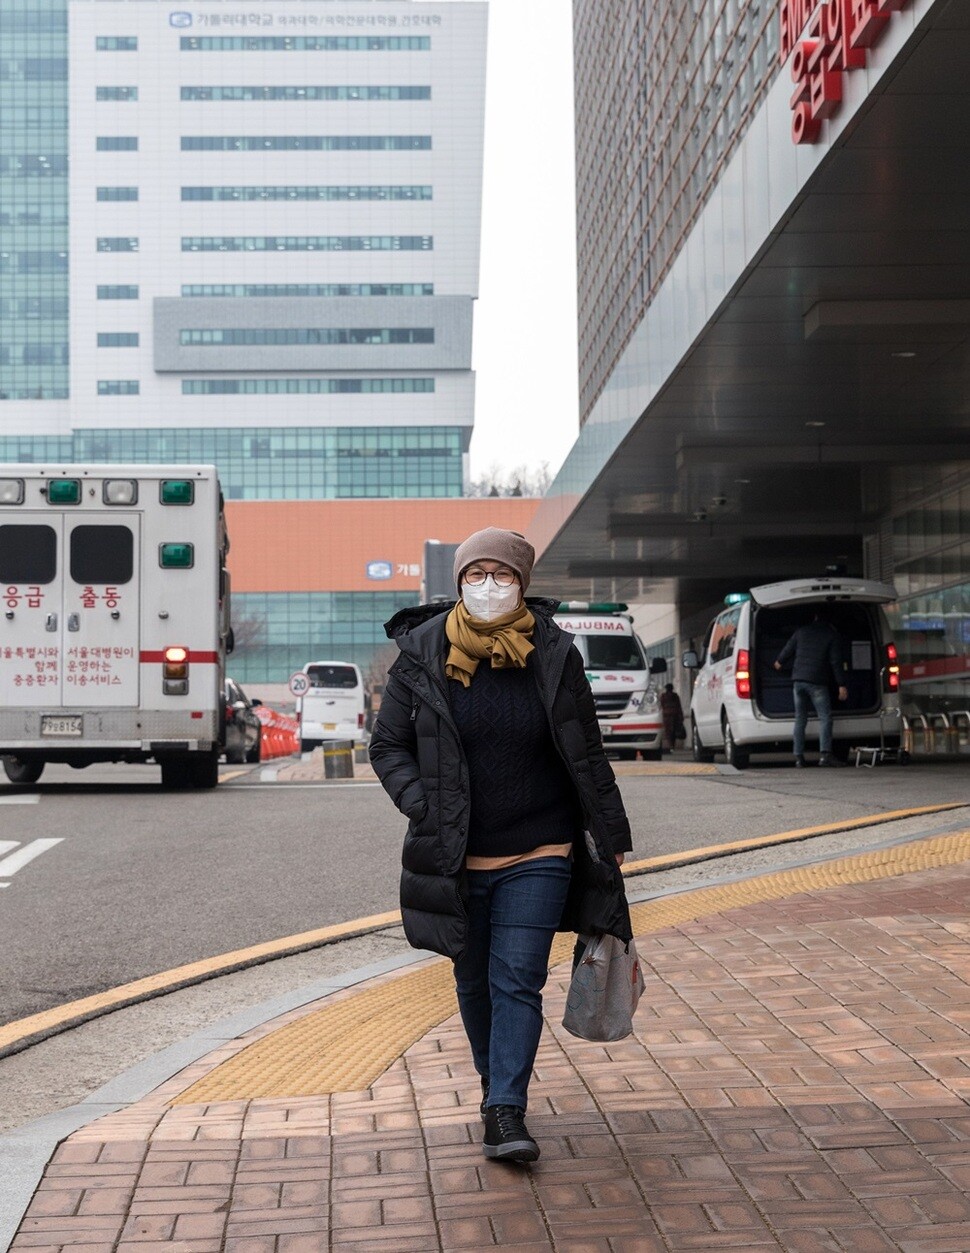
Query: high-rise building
[
  {"x": 773, "y": 258},
  {"x": 273, "y": 216},
  {"x": 243, "y": 232}
]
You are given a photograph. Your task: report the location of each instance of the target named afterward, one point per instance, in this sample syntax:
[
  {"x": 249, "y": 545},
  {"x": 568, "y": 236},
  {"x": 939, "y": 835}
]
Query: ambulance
[
  {"x": 625, "y": 687},
  {"x": 114, "y": 619}
]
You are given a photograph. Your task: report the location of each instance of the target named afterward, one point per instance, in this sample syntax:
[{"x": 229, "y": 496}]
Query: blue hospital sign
[
  {"x": 180, "y": 19},
  {"x": 379, "y": 570}
]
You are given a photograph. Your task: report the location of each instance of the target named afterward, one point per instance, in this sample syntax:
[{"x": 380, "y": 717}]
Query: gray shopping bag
[{"x": 605, "y": 990}]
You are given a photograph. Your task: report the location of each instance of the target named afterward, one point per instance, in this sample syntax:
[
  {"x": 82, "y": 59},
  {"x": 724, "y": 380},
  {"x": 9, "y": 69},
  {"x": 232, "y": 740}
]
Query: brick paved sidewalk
[{"x": 798, "y": 1081}]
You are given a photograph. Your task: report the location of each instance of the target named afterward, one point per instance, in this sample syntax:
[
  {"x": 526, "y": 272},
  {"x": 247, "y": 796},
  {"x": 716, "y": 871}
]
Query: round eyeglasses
[{"x": 477, "y": 576}]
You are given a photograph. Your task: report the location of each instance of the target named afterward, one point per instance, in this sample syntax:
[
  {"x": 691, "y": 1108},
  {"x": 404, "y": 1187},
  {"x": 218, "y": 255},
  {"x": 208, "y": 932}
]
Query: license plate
[
  {"x": 61, "y": 724},
  {"x": 330, "y": 726}
]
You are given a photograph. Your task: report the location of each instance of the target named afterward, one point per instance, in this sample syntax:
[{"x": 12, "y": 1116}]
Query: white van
[
  {"x": 742, "y": 705},
  {"x": 334, "y": 707},
  {"x": 625, "y": 691}
]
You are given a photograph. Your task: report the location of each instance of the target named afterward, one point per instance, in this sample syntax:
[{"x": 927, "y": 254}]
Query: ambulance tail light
[
  {"x": 892, "y": 668},
  {"x": 360, "y": 722},
  {"x": 742, "y": 674},
  {"x": 175, "y": 670}
]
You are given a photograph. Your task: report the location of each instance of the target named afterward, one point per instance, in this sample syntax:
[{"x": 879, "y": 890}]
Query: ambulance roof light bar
[{"x": 585, "y": 606}]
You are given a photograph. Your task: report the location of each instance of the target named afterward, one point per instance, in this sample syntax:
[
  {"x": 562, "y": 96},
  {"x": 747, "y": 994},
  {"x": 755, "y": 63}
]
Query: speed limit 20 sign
[{"x": 299, "y": 683}]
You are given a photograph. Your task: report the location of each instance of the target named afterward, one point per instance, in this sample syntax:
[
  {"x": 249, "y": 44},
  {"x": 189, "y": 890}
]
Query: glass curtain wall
[{"x": 33, "y": 200}]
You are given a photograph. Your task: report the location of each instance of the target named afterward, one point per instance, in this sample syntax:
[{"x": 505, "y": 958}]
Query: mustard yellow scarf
[{"x": 507, "y": 640}]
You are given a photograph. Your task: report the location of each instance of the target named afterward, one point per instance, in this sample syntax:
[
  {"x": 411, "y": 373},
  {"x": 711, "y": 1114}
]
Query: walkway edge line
[
  {"x": 670, "y": 861},
  {"x": 24, "y": 1032}
]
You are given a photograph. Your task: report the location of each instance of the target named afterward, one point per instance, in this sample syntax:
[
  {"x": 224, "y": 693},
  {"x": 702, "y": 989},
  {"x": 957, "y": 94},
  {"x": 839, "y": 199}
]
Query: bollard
[{"x": 338, "y": 759}]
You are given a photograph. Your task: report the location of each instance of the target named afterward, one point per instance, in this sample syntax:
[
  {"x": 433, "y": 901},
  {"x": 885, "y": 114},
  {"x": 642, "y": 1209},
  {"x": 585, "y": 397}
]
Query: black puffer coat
[{"x": 417, "y": 754}]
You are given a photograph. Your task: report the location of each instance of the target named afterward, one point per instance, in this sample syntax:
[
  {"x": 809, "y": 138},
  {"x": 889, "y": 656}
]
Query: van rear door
[{"x": 791, "y": 592}]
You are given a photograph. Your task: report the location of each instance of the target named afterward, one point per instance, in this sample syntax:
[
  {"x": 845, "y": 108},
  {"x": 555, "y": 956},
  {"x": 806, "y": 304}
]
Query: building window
[
  {"x": 117, "y": 339},
  {"x": 116, "y": 43},
  {"x": 307, "y": 289},
  {"x": 116, "y": 93},
  {"x": 117, "y": 243},
  {"x": 298, "y": 335},
  {"x": 118, "y": 387},
  {"x": 303, "y": 387},
  {"x": 307, "y": 243},
  {"x": 118, "y": 291},
  {"x": 305, "y": 43},
  {"x": 302, "y": 143},
  {"x": 117, "y": 193},
  {"x": 370, "y": 92},
  {"x": 117, "y": 143},
  {"x": 344, "y": 191}
]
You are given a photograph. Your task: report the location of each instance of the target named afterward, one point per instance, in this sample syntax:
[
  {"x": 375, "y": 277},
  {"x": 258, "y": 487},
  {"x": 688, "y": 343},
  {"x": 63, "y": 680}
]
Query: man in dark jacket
[
  {"x": 814, "y": 653},
  {"x": 487, "y": 740}
]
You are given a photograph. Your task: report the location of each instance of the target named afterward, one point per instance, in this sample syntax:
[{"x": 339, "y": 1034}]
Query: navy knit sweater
[{"x": 521, "y": 792}]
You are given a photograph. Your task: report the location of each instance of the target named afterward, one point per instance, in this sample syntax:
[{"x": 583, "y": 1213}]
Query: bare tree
[
  {"x": 521, "y": 480},
  {"x": 248, "y": 630}
]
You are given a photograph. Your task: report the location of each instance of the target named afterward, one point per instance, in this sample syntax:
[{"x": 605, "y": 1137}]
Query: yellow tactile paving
[
  {"x": 659, "y": 767},
  {"x": 345, "y": 1046}
]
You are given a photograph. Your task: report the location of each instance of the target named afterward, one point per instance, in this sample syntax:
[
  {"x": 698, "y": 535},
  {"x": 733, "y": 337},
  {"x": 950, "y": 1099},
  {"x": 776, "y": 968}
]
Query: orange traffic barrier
[{"x": 280, "y": 736}]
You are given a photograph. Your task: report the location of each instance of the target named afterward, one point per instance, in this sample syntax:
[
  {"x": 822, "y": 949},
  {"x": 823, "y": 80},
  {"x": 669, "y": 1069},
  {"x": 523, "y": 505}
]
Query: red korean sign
[{"x": 827, "y": 39}]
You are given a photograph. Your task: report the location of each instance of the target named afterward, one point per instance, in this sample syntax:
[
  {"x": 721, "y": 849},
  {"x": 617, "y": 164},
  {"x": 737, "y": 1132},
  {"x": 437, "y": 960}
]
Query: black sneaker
[
  {"x": 506, "y": 1137},
  {"x": 483, "y": 1108},
  {"x": 799, "y": 761},
  {"x": 827, "y": 760}
]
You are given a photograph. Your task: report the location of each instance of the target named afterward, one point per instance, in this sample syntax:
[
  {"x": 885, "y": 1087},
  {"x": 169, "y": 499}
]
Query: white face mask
[{"x": 487, "y": 601}]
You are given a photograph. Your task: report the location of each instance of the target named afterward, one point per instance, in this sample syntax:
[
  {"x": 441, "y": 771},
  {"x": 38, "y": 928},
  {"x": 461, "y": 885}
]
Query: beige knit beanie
[{"x": 494, "y": 544}]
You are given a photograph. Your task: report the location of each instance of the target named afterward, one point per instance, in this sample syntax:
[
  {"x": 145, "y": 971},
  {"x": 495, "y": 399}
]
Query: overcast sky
[{"x": 525, "y": 319}]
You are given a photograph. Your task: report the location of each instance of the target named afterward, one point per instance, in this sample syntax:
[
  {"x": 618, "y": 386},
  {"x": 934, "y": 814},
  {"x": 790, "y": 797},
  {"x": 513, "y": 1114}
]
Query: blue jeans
[
  {"x": 512, "y": 918},
  {"x": 819, "y": 696}
]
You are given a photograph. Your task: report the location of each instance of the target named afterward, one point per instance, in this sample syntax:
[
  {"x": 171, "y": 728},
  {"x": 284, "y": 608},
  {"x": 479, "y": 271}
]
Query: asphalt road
[{"x": 131, "y": 880}]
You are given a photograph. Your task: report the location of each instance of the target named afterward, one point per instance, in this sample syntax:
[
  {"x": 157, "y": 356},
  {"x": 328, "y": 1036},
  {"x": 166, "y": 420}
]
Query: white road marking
[
  {"x": 7, "y": 845},
  {"x": 28, "y": 798},
  {"x": 13, "y": 862}
]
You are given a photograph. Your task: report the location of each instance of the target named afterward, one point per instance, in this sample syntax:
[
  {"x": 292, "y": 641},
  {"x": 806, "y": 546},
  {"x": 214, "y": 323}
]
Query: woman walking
[{"x": 487, "y": 741}]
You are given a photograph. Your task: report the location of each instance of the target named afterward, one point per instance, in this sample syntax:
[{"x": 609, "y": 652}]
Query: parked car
[
  {"x": 741, "y": 705},
  {"x": 243, "y": 729},
  {"x": 334, "y": 707}
]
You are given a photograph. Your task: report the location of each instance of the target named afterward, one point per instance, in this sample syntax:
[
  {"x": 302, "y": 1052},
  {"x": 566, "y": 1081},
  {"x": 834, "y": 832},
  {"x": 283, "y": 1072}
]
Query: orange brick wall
[{"x": 325, "y": 545}]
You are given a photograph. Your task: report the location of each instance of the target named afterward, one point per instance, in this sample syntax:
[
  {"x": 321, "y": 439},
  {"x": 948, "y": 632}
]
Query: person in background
[
  {"x": 673, "y": 716},
  {"x": 814, "y": 653},
  {"x": 487, "y": 740}
]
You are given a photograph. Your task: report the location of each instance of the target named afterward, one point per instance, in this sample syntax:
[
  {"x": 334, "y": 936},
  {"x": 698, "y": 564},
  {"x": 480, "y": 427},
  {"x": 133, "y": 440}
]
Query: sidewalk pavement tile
[{"x": 797, "y": 1081}]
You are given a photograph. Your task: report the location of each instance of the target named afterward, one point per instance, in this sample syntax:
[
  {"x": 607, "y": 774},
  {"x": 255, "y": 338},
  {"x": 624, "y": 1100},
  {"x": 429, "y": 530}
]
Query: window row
[
  {"x": 303, "y": 387},
  {"x": 306, "y": 243},
  {"x": 34, "y": 262},
  {"x": 256, "y": 92},
  {"x": 307, "y": 289},
  {"x": 34, "y": 354},
  {"x": 117, "y": 243},
  {"x": 116, "y": 93},
  {"x": 118, "y": 387},
  {"x": 302, "y": 143},
  {"x": 118, "y": 291},
  {"x": 325, "y": 191},
  {"x": 305, "y": 43},
  {"x": 117, "y": 339},
  {"x": 116, "y": 43},
  {"x": 116, "y": 143},
  {"x": 34, "y": 165},
  {"x": 117, "y": 193},
  {"x": 33, "y": 69},
  {"x": 292, "y": 335},
  {"x": 35, "y": 307}
]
